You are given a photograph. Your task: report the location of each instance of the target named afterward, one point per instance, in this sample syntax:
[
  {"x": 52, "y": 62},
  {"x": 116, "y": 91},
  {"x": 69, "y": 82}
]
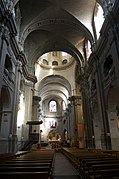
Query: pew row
[
  {"x": 93, "y": 164},
  {"x": 38, "y": 164}
]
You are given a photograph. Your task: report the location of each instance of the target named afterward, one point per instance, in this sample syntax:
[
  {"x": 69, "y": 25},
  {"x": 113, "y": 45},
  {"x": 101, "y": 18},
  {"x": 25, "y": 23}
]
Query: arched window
[
  {"x": 45, "y": 62},
  {"x": 64, "y": 61},
  {"x": 98, "y": 19},
  {"x": 53, "y": 106},
  {"x": 55, "y": 63}
]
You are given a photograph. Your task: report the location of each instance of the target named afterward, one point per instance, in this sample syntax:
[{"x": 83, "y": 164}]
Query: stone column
[
  {"x": 79, "y": 122},
  {"x": 35, "y": 113},
  {"x": 78, "y": 127},
  {"x": 68, "y": 118},
  {"x": 5, "y": 116},
  {"x": 28, "y": 99},
  {"x": 88, "y": 125},
  {"x": 4, "y": 41},
  {"x": 13, "y": 133},
  {"x": 64, "y": 125},
  {"x": 74, "y": 121},
  {"x": 69, "y": 121},
  {"x": 105, "y": 136}
]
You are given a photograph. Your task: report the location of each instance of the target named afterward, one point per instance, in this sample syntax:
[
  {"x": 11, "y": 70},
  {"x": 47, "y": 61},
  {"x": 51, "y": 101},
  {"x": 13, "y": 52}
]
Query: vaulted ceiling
[
  {"x": 48, "y": 25},
  {"x": 54, "y": 25}
]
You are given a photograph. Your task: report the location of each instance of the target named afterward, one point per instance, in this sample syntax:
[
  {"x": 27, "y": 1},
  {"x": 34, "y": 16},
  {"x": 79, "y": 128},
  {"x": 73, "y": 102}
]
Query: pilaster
[
  {"x": 78, "y": 125},
  {"x": 35, "y": 109},
  {"x": 4, "y": 42},
  {"x": 13, "y": 129},
  {"x": 105, "y": 136},
  {"x": 88, "y": 123}
]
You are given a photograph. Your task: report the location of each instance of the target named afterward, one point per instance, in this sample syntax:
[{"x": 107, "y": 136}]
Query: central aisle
[{"x": 63, "y": 169}]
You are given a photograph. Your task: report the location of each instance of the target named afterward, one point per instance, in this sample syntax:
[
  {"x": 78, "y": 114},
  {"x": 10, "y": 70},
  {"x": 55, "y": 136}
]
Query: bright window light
[
  {"x": 20, "y": 114},
  {"x": 53, "y": 106},
  {"x": 98, "y": 19}
]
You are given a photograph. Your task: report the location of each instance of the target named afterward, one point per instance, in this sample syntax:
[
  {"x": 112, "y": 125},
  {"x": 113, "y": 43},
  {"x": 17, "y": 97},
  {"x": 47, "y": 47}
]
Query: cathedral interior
[{"x": 59, "y": 74}]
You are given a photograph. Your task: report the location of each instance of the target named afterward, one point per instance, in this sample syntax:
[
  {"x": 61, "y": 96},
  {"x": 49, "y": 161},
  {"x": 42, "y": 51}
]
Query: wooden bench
[
  {"x": 24, "y": 175},
  {"x": 82, "y": 164},
  {"x": 91, "y": 164},
  {"x": 33, "y": 164},
  {"x": 26, "y": 164},
  {"x": 26, "y": 169},
  {"x": 109, "y": 173},
  {"x": 29, "y": 161},
  {"x": 86, "y": 168},
  {"x": 89, "y": 161},
  {"x": 95, "y": 170}
]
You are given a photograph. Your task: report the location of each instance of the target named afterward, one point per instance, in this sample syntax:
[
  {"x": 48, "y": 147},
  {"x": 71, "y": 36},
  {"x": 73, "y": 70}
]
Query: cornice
[{"x": 29, "y": 76}]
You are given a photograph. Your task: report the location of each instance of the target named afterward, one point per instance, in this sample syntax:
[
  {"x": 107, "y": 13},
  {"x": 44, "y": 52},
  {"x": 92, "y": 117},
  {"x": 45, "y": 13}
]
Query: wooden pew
[
  {"x": 89, "y": 159},
  {"x": 39, "y": 162},
  {"x": 29, "y": 166},
  {"x": 29, "y": 161},
  {"x": 25, "y": 169},
  {"x": 24, "y": 175},
  {"x": 86, "y": 162},
  {"x": 86, "y": 165},
  {"x": 109, "y": 173},
  {"x": 95, "y": 171}
]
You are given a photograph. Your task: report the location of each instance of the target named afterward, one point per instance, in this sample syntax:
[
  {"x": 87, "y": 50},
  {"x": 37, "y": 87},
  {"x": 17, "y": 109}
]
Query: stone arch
[
  {"x": 53, "y": 44},
  {"x": 38, "y": 23},
  {"x": 55, "y": 79}
]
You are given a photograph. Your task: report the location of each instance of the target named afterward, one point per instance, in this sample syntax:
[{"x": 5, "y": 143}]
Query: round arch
[{"x": 54, "y": 44}]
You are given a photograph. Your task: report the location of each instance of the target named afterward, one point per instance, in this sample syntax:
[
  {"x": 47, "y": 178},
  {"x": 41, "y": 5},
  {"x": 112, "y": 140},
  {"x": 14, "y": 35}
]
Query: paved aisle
[{"x": 63, "y": 169}]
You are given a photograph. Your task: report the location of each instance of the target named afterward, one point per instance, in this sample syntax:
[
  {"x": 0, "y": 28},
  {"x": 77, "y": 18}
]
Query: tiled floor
[{"x": 63, "y": 169}]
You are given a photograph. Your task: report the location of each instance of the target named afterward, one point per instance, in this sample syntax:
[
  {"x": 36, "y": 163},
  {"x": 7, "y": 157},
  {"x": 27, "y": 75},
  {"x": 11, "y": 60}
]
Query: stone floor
[{"x": 63, "y": 169}]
